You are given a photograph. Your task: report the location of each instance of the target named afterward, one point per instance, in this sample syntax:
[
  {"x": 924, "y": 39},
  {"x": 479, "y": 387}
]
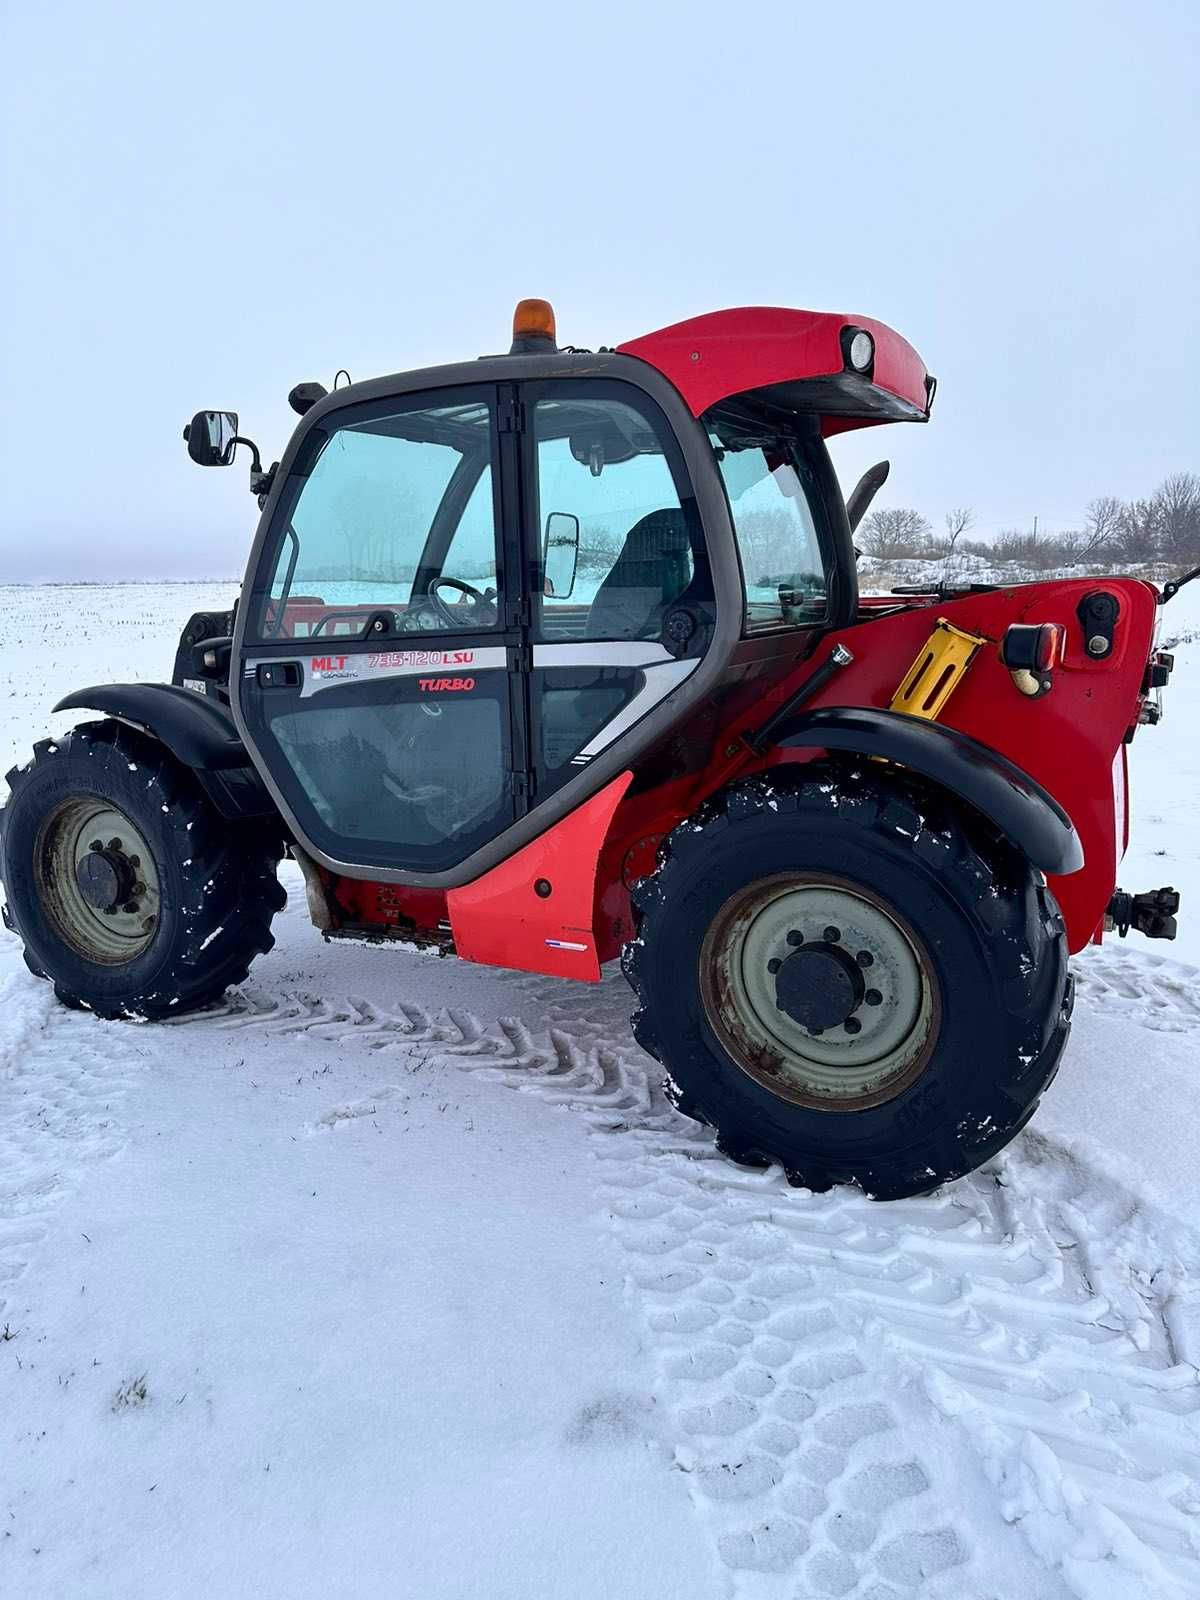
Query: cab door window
[
  {"x": 388, "y": 511},
  {"x": 605, "y": 468},
  {"x": 625, "y": 621}
]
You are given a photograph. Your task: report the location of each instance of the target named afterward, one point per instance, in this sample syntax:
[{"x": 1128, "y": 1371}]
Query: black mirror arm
[
  {"x": 256, "y": 459},
  {"x": 260, "y": 481}
]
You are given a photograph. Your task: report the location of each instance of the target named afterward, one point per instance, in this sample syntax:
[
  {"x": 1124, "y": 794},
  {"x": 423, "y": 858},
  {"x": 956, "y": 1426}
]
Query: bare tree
[
  {"x": 1102, "y": 527},
  {"x": 957, "y": 522},
  {"x": 894, "y": 534},
  {"x": 1175, "y": 516},
  {"x": 1136, "y": 538}
]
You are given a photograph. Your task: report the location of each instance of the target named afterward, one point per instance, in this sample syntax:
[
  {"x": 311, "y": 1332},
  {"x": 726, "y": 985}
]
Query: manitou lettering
[
  {"x": 446, "y": 685},
  {"x": 328, "y": 663}
]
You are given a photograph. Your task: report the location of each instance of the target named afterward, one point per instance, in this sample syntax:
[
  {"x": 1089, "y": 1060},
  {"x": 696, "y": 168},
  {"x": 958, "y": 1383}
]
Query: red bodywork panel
[
  {"x": 1070, "y": 740},
  {"x": 502, "y": 920},
  {"x": 724, "y": 353}
]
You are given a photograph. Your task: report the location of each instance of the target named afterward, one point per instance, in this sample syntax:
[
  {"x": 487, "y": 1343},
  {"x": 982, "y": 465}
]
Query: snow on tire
[{"x": 848, "y": 973}]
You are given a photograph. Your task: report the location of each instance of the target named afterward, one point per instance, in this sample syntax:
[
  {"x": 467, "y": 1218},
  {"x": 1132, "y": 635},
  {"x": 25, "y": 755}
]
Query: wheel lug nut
[
  {"x": 774, "y": 964},
  {"x": 131, "y": 908},
  {"x": 95, "y": 845},
  {"x": 873, "y": 997},
  {"x": 832, "y": 936},
  {"x": 865, "y": 958},
  {"x": 139, "y": 888},
  {"x": 795, "y": 937},
  {"x": 135, "y": 861},
  {"x": 114, "y": 844},
  {"x": 852, "y": 1025}
]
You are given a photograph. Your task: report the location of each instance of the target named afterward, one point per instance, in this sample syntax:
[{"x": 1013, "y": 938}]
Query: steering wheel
[{"x": 481, "y": 613}]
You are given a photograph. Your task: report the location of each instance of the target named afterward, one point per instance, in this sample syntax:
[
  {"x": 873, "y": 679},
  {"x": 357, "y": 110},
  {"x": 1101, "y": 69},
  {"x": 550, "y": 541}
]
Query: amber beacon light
[{"x": 533, "y": 326}]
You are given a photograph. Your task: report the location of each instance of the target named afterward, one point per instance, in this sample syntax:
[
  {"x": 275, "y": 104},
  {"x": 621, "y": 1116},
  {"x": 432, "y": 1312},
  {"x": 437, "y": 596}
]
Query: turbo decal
[{"x": 446, "y": 685}]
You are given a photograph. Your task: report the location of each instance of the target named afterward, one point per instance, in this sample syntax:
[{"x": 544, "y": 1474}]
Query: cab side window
[
  {"x": 619, "y": 545},
  {"x": 783, "y": 568}
]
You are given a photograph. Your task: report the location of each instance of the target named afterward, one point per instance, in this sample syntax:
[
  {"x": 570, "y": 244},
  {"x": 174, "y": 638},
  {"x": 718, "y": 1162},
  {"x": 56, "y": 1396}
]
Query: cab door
[
  {"x": 381, "y": 621},
  {"x": 619, "y": 627}
]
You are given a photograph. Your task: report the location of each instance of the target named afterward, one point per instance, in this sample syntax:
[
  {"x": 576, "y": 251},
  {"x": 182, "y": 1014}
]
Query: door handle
[{"x": 278, "y": 674}]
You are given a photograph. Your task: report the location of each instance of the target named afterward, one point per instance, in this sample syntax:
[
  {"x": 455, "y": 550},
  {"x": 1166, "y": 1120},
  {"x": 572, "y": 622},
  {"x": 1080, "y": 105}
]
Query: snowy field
[{"x": 300, "y": 1299}]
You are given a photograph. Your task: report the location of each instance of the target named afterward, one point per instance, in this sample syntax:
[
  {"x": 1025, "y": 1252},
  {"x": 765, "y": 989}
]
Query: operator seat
[{"x": 650, "y": 574}]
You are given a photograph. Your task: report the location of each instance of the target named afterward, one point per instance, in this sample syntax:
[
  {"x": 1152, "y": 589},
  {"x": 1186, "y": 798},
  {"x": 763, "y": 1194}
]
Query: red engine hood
[{"x": 797, "y": 353}]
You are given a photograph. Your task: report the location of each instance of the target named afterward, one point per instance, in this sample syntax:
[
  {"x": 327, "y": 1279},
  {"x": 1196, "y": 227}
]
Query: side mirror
[
  {"x": 212, "y": 438},
  {"x": 560, "y": 554}
]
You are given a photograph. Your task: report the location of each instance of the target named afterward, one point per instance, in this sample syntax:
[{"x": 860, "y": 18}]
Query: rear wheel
[
  {"x": 131, "y": 894},
  {"x": 847, "y": 973}
]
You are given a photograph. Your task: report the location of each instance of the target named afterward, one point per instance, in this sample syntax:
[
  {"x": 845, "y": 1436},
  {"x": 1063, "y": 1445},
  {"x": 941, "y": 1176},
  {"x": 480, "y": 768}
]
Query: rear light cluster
[{"x": 1031, "y": 651}]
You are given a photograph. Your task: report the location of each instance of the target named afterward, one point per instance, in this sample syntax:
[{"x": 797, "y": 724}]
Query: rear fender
[
  {"x": 1009, "y": 798},
  {"x": 199, "y": 733}
]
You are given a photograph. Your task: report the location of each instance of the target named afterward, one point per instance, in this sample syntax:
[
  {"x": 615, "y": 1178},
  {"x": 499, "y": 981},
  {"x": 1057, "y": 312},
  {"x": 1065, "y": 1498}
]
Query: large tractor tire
[
  {"x": 131, "y": 894},
  {"x": 847, "y": 973}
]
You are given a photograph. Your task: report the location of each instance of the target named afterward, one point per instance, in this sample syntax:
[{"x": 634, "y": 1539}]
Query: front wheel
[
  {"x": 845, "y": 972},
  {"x": 130, "y": 893}
]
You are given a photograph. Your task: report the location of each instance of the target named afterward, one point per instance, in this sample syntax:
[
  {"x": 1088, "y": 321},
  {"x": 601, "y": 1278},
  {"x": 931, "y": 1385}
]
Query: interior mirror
[
  {"x": 560, "y": 554},
  {"x": 211, "y": 438}
]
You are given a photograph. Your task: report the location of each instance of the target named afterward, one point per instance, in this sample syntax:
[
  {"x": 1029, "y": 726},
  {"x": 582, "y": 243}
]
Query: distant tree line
[{"x": 1165, "y": 527}]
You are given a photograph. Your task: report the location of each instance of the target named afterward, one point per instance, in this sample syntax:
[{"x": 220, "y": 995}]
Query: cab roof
[{"x": 799, "y": 358}]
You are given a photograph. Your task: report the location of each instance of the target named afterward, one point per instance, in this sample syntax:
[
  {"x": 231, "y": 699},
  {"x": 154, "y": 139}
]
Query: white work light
[{"x": 861, "y": 351}]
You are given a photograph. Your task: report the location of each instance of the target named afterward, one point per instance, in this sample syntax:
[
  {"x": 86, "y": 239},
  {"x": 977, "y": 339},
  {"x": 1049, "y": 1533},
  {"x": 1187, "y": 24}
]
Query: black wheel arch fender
[
  {"x": 199, "y": 733},
  {"x": 1015, "y": 803}
]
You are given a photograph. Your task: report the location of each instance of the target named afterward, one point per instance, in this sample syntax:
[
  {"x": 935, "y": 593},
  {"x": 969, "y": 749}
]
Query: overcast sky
[{"x": 204, "y": 204}]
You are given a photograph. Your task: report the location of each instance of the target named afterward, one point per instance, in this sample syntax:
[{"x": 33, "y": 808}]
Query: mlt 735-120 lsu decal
[{"x": 437, "y": 669}]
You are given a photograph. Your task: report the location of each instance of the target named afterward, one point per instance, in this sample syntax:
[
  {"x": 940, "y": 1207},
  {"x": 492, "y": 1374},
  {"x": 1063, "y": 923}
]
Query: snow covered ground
[{"x": 299, "y": 1299}]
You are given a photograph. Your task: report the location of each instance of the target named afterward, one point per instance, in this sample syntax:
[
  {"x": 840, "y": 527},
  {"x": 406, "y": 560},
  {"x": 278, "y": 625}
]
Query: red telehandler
[{"x": 556, "y": 657}]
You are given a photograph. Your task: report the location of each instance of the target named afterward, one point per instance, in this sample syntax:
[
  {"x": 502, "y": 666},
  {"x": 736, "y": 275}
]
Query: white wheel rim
[
  {"x": 83, "y": 825},
  {"x": 855, "y": 965}
]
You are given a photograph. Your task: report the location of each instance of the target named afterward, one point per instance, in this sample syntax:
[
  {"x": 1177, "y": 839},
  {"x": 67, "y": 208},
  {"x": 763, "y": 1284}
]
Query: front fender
[
  {"x": 198, "y": 732},
  {"x": 1010, "y": 799}
]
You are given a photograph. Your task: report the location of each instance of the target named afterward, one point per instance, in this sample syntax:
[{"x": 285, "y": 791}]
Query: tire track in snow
[
  {"x": 62, "y": 1075},
  {"x": 1150, "y": 989},
  {"x": 1031, "y": 1316}
]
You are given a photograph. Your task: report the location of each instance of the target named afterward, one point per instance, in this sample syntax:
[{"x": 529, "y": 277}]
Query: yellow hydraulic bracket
[{"x": 937, "y": 672}]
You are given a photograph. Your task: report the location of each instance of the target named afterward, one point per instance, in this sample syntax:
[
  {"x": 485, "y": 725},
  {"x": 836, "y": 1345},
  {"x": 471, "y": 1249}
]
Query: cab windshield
[{"x": 775, "y": 505}]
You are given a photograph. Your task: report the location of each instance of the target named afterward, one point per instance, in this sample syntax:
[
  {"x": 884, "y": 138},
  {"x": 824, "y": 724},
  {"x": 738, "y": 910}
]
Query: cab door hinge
[
  {"x": 511, "y": 417},
  {"x": 520, "y": 614},
  {"x": 519, "y": 658},
  {"x": 520, "y": 784}
]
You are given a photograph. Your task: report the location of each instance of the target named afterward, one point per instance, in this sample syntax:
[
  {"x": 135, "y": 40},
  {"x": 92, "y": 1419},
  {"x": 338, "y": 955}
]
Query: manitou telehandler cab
[{"x": 556, "y": 657}]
